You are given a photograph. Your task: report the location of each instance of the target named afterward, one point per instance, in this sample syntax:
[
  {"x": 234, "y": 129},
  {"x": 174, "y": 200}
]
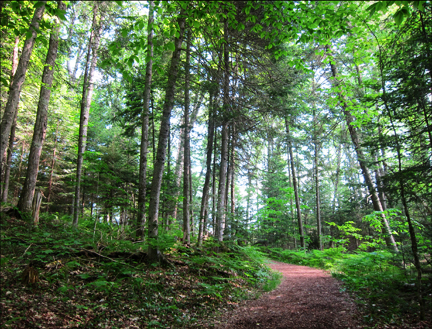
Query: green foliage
[{"x": 102, "y": 271}]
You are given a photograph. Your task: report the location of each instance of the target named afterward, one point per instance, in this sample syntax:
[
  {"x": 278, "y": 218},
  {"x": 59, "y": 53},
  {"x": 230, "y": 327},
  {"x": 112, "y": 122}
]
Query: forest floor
[{"x": 57, "y": 276}]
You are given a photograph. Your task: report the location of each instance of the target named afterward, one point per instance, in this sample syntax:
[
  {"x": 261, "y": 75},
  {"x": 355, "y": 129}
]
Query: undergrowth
[
  {"x": 384, "y": 289},
  {"x": 55, "y": 275}
]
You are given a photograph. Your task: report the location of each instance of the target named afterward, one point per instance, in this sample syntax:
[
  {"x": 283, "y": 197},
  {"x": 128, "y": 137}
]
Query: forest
[{"x": 195, "y": 140}]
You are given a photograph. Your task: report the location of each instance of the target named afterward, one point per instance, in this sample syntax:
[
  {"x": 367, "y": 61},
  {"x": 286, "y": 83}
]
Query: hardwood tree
[{"x": 39, "y": 131}]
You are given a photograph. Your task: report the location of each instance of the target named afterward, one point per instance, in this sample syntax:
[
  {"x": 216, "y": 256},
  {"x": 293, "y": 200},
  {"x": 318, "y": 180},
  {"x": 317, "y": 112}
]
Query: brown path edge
[{"x": 306, "y": 298}]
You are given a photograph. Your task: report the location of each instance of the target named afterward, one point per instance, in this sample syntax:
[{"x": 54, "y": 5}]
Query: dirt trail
[{"x": 306, "y": 298}]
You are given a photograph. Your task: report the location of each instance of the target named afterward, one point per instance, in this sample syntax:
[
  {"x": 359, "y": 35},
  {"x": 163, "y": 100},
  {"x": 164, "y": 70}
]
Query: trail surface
[{"x": 306, "y": 298}]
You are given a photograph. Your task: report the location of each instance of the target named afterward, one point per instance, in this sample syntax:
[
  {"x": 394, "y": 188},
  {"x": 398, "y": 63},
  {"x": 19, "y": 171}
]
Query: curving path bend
[{"x": 306, "y": 298}]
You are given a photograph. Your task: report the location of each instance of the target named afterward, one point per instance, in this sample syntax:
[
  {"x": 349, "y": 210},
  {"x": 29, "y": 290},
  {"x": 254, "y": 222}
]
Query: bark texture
[
  {"x": 53, "y": 161},
  {"x": 206, "y": 187},
  {"x": 26, "y": 198},
  {"x": 18, "y": 80},
  {"x": 144, "y": 128},
  {"x": 180, "y": 157},
  {"x": 187, "y": 165},
  {"x": 12, "y": 133},
  {"x": 153, "y": 251},
  {"x": 220, "y": 212}
]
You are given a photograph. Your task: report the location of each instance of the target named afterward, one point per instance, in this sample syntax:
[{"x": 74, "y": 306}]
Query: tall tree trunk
[
  {"x": 228, "y": 175},
  {"x": 144, "y": 128},
  {"x": 294, "y": 177},
  {"x": 220, "y": 212},
  {"x": 12, "y": 134},
  {"x": 81, "y": 50},
  {"x": 7, "y": 171},
  {"x": 336, "y": 183},
  {"x": 214, "y": 182},
  {"x": 291, "y": 200},
  {"x": 180, "y": 157},
  {"x": 191, "y": 213},
  {"x": 86, "y": 101},
  {"x": 206, "y": 188},
  {"x": 153, "y": 251},
  {"x": 52, "y": 169},
  {"x": 153, "y": 113},
  {"x": 18, "y": 80},
  {"x": 83, "y": 191},
  {"x": 18, "y": 174},
  {"x": 187, "y": 164},
  {"x": 26, "y": 198},
  {"x": 317, "y": 197},
  {"x": 317, "y": 191},
  {"x": 233, "y": 142},
  {"x": 220, "y": 215},
  {"x": 362, "y": 162}
]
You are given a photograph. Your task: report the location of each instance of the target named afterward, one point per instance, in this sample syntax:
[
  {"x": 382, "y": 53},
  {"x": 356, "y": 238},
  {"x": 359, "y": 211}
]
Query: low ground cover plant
[{"x": 56, "y": 275}]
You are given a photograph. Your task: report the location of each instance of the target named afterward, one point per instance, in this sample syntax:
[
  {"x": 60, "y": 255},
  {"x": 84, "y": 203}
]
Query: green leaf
[
  {"x": 419, "y": 5},
  {"x": 399, "y": 17},
  {"x": 171, "y": 46},
  {"x": 4, "y": 82},
  {"x": 39, "y": 4}
]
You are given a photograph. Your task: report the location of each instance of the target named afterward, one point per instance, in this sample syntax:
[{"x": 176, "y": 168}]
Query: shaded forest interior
[{"x": 144, "y": 132}]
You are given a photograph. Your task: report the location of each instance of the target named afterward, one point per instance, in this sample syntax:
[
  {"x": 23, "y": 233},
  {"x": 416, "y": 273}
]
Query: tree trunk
[
  {"x": 12, "y": 134},
  {"x": 9, "y": 160},
  {"x": 191, "y": 213},
  {"x": 144, "y": 128},
  {"x": 52, "y": 168},
  {"x": 233, "y": 142},
  {"x": 36, "y": 203},
  {"x": 13, "y": 128},
  {"x": 214, "y": 183},
  {"x": 153, "y": 251},
  {"x": 187, "y": 164},
  {"x": 317, "y": 191},
  {"x": 18, "y": 175},
  {"x": 361, "y": 159},
  {"x": 336, "y": 184},
  {"x": 220, "y": 212},
  {"x": 228, "y": 175},
  {"x": 220, "y": 215},
  {"x": 296, "y": 195},
  {"x": 206, "y": 188},
  {"x": 317, "y": 196},
  {"x": 86, "y": 101},
  {"x": 18, "y": 80},
  {"x": 180, "y": 157},
  {"x": 26, "y": 198}
]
